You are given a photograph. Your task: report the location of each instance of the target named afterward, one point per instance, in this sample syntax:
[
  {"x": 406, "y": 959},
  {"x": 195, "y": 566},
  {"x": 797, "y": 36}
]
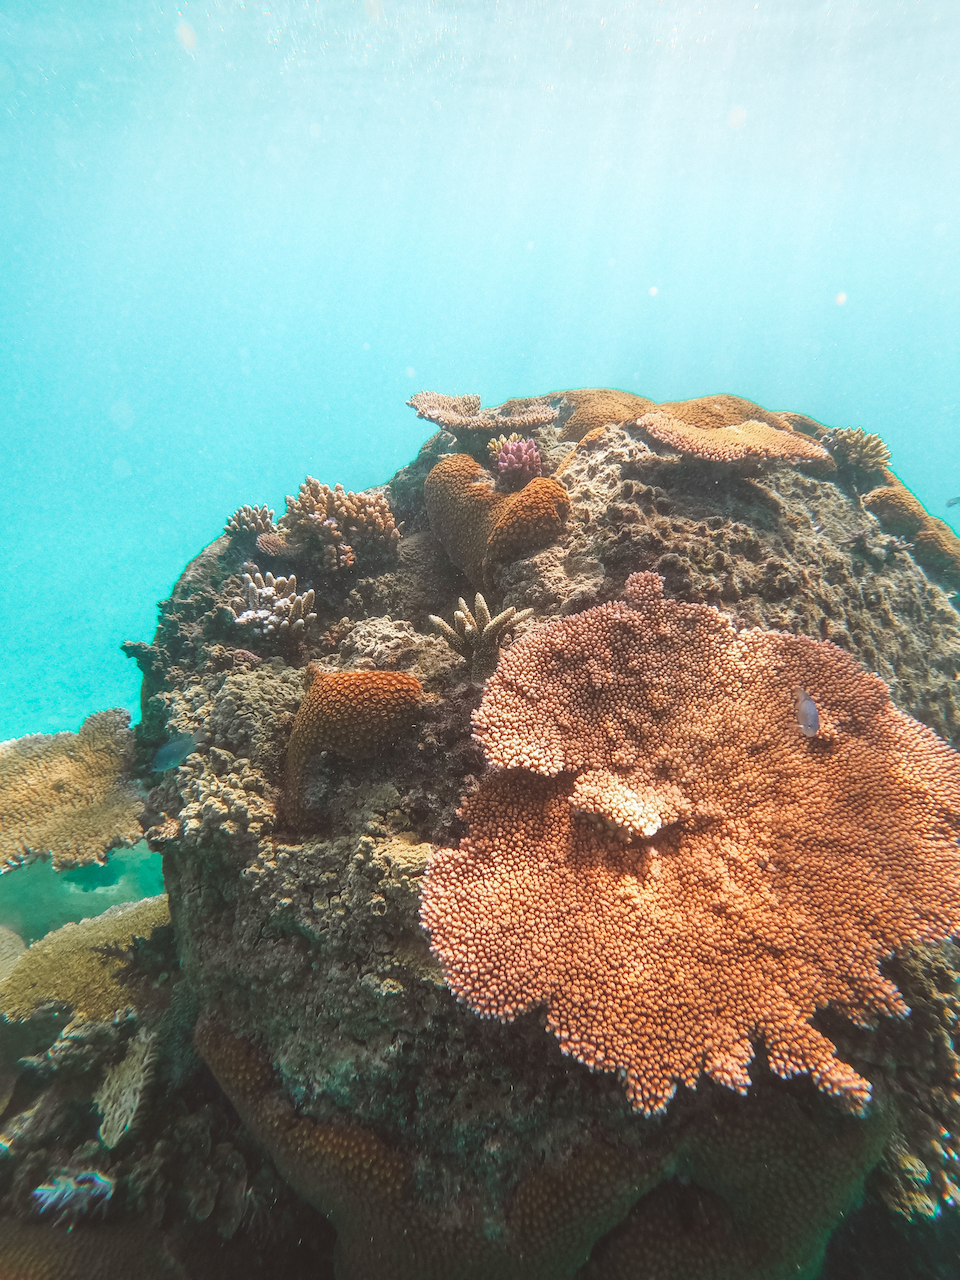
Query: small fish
[
  {"x": 952, "y": 502},
  {"x": 174, "y": 752},
  {"x": 808, "y": 717}
]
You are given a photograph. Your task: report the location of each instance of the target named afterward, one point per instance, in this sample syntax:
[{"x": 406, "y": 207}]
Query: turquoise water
[{"x": 236, "y": 237}]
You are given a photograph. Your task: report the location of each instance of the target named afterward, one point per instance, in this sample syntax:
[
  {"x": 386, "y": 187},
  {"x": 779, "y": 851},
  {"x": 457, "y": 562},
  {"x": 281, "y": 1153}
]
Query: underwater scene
[{"x": 480, "y": 762}]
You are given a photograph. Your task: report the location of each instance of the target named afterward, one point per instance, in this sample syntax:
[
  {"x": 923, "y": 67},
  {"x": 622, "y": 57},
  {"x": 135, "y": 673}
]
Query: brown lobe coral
[
  {"x": 935, "y": 545},
  {"x": 67, "y": 794},
  {"x": 480, "y": 528},
  {"x": 355, "y": 713},
  {"x": 598, "y": 407},
  {"x": 792, "y": 867}
]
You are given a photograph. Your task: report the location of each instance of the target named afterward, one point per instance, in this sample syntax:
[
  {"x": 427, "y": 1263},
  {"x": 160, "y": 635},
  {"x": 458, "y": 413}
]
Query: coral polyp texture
[
  {"x": 659, "y": 745},
  {"x": 748, "y": 440},
  {"x": 68, "y": 796},
  {"x": 253, "y": 520},
  {"x": 785, "y": 869}
]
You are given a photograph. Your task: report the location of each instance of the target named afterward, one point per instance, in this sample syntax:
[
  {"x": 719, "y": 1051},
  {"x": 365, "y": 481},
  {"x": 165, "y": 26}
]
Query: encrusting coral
[
  {"x": 783, "y": 871},
  {"x": 478, "y": 527},
  {"x": 476, "y": 636},
  {"x": 354, "y": 713},
  {"x": 933, "y": 542},
  {"x": 30, "y": 1251},
  {"x": 68, "y": 795}
]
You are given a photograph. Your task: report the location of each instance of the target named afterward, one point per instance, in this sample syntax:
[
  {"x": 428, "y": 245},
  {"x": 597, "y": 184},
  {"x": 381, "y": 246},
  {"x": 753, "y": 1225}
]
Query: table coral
[
  {"x": 749, "y": 440},
  {"x": 783, "y": 871},
  {"x": 463, "y": 413},
  {"x": 598, "y": 407},
  {"x": 354, "y": 713},
  {"x": 480, "y": 528},
  {"x": 70, "y": 966},
  {"x": 68, "y": 795}
]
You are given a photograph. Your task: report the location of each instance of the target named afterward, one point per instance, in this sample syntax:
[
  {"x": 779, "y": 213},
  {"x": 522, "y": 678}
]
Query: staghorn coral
[
  {"x": 599, "y": 407},
  {"x": 247, "y": 519},
  {"x": 780, "y": 877},
  {"x": 479, "y": 528},
  {"x": 121, "y": 1098},
  {"x": 69, "y": 965},
  {"x": 933, "y": 543},
  {"x": 745, "y": 441},
  {"x": 354, "y": 713},
  {"x": 856, "y": 448},
  {"x": 271, "y": 606},
  {"x": 476, "y": 636},
  {"x": 67, "y": 795},
  {"x": 335, "y": 523}
]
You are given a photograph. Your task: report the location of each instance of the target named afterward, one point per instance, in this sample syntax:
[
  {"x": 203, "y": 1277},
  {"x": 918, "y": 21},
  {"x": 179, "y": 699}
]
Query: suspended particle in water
[
  {"x": 737, "y": 118},
  {"x": 841, "y": 299},
  {"x": 187, "y": 36}
]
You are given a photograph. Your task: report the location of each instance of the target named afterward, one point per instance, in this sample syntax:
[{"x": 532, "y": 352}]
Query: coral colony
[{"x": 593, "y": 784}]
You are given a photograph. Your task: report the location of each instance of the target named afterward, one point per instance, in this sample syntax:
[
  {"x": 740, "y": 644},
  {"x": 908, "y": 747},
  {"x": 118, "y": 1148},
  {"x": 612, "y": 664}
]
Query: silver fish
[{"x": 808, "y": 717}]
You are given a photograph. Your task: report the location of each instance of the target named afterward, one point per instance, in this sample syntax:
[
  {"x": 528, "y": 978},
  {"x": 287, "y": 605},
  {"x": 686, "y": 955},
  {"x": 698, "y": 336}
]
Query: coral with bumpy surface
[
  {"x": 479, "y": 528},
  {"x": 854, "y": 447},
  {"x": 933, "y": 542},
  {"x": 334, "y": 522},
  {"x": 599, "y": 407},
  {"x": 68, "y": 795},
  {"x": 354, "y": 713},
  {"x": 253, "y": 520},
  {"x": 784, "y": 869},
  {"x": 745, "y": 441},
  {"x": 463, "y": 413},
  {"x": 38, "y": 1252},
  {"x": 272, "y": 607}
]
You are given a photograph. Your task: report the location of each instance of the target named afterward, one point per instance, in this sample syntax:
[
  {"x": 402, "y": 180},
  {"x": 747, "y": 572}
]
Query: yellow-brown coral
[
  {"x": 935, "y": 545},
  {"x": 69, "y": 965},
  {"x": 745, "y": 440},
  {"x": 67, "y": 794},
  {"x": 854, "y": 447},
  {"x": 598, "y": 407},
  {"x": 479, "y": 528},
  {"x": 35, "y": 1251},
  {"x": 335, "y": 522},
  {"x": 355, "y": 713},
  {"x": 774, "y": 874}
]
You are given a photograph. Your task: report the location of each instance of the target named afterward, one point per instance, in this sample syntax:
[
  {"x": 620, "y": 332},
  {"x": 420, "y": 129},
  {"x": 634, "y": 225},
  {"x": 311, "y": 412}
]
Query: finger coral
[
  {"x": 744, "y": 440},
  {"x": 476, "y": 636},
  {"x": 479, "y": 528},
  {"x": 672, "y": 868},
  {"x": 355, "y": 713},
  {"x": 247, "y": 519},
  {"x": 271, "y": 605},
  {"x": 122, "y": 1095},
  {"x": 336, "y": 523},
  {"x": 67, "y": 795},
  {"x": 517, "y": 460},
  {"x": 854, "y": 447}
]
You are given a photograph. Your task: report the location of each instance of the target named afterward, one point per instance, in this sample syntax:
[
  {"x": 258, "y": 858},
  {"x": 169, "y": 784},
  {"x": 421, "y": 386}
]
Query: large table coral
[{"x": 696, "y": 875}]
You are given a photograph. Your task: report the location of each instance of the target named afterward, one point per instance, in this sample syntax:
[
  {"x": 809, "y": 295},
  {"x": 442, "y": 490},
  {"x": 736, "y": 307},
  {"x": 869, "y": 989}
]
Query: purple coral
[{"x": 518, "y": 462}]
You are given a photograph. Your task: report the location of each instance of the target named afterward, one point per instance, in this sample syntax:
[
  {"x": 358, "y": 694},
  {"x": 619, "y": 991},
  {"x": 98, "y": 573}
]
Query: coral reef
[
  {"x": 439, "y": 1142},
  {"x": 743, "y": 441},
  {"x": 271, "y": 606},
  {"x": 932, "y": 541},
  {"x": 68, "y": 795},
  {"x": 517, "y": 461},
  {"x": 858, "y": 449},
  {"x": 69, "y": 965},
  {"x": 476, "y": 636},
  {"x": 254, "y": 520},
  {"x": 478, "y": 527}
]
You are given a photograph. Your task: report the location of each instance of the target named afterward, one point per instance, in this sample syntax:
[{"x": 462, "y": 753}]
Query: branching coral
[
  {"x": 255, "y": 520},
  {"x": 517, "y": 461},
  {"x": 337, "y": 524},
  {"x": 476, "y": 636},
  {"x": 68, "y": 795},
  {"x": 854, "y": 447},
  {"x": 122, "y": 1096},
  {"x": 272, "y": 607},
  {"x": 782, "y": 869}
]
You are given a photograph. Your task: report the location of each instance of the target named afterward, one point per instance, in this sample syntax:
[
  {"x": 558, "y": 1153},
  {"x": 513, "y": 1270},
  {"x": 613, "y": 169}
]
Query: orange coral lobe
[
  {"x": 750, "y": 439},
  {"x": 355, "y": 713},
  {"x": 676, "y": 872}
]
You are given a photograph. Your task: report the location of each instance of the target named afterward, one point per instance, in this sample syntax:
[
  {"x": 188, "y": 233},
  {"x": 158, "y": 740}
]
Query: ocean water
[{"x": 236, "y": 237}]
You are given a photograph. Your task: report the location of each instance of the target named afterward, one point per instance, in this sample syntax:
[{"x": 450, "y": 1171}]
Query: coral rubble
[{"x": 677, "y": 800}]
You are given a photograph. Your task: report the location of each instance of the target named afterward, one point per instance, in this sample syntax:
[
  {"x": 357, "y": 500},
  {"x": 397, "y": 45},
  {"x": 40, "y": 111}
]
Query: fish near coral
[
  {"x": 661, "y": 862},
  {"x": 808, "y": 717},
  {"x": 353, "y": 713}
]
